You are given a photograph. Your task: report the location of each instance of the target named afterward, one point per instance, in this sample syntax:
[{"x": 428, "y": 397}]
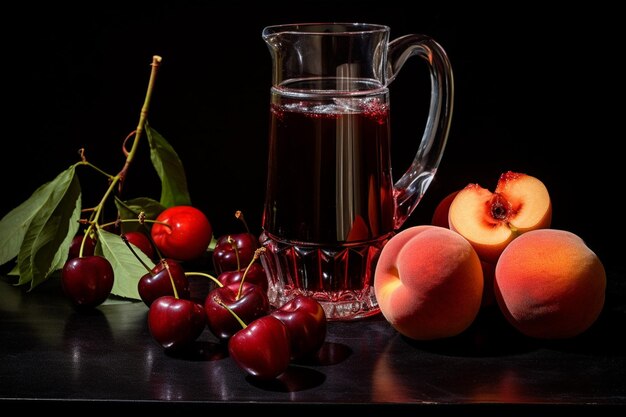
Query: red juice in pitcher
[
  {"x": 329, "y": 198},
  {"x": 333, "y": 182}
]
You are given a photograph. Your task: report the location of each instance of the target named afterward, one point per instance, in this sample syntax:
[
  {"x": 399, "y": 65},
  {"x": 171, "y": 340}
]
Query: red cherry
[
  {"x": 87, "y": 281},
  {"x": 88, "y": 250},
  {"x": 175, "y": 323},
  {"x": 262, "y": 348},
  {"x": 225, "y": 257},
  {"x": 251, "y": 304},
  {"x": 306, "y": 321},
  {"x": 254, "y": 275},
  {"x": 157, "y": 283},
  {"x": 185, "y": 234},
  {"x": 141, "y": 240}
]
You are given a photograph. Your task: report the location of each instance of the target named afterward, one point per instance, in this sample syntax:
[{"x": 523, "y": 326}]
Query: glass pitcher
[{"x": 331, "y": 202}]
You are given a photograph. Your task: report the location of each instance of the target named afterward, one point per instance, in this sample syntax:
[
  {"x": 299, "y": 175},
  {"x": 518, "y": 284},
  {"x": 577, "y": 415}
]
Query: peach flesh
[{"x": 490, "y": 221}]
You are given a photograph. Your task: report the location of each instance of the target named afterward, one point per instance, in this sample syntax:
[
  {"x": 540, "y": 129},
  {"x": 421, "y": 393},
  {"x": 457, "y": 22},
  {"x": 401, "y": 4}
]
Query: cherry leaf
[
  {"x": 14, "y": 224},
  {"x": 50, "y": 230},
  {"x": 15, "y": 271},
  {"x": 127, "y": 269},
  {"x": 169, "y": 168},
  {"x": 63, "y": 250},
  {"x": 130, "y": 209}
]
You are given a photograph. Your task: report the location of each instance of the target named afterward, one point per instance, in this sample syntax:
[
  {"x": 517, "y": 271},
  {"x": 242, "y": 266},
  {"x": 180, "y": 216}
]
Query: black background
[{"x": 534, "y": 93}]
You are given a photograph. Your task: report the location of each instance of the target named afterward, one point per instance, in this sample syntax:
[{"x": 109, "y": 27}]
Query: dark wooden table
[{"x": 54, "y": 356}]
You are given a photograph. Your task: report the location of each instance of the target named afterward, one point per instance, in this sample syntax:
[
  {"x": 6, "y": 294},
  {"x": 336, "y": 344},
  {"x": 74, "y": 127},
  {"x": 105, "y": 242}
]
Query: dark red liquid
[{"x": 329, "y": 174}]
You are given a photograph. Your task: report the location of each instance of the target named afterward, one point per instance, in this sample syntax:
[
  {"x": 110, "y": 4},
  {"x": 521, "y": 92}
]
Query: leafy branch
[{"x": 38, "y": 232}]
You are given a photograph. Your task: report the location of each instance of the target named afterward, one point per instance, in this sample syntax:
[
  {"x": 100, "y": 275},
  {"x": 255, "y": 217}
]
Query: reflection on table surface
[{"x": 51, "y": 351}]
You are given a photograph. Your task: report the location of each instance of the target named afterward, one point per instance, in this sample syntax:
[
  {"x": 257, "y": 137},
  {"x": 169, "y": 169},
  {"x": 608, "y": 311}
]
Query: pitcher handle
[{"x": 410, "y": 188}]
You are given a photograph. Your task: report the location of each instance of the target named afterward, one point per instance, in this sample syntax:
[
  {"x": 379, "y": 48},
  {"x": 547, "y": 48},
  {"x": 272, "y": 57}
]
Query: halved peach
[{"x": 490, "y": 221}]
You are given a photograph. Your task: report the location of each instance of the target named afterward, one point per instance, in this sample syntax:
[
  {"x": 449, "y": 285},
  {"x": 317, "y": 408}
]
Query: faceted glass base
[{"x": 340, "y": 278}]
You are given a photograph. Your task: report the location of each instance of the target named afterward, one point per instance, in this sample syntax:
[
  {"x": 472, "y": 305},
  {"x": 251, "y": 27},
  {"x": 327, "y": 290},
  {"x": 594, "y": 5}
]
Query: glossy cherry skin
[
  {"x": 307, "y": 323},
  {"x": 141, "y": 240},
  {"x": 255, "y": 275},
  {"x": 175, "y": 323},
  {"x": 252, "y": 304},
  {"x": 186, "y": 234},
  {"x": 158, "y": 284},
  {"x": 224, "y": 257},
  {"x": 87, "y": 281},
  {"x": 262, "y": 348},
  {"x": 88, "y": 250}
]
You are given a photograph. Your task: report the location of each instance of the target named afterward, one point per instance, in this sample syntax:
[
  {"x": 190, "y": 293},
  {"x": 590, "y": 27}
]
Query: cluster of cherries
[
  {"x": 261, "y": 340},
  {"x": 264, "y": 346}
]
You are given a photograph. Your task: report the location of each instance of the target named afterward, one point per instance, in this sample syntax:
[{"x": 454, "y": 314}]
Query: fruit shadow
[
  {"x": 87, "y": 330},
  {"x": 200, "y": 351},
  {"x": 330, "y": 353},
  {"x": 601, "y": 339},
  {"x": 301, "y": 375},
  {"x": 295, "y": 378},
  {"x": 489, "y": 335}
]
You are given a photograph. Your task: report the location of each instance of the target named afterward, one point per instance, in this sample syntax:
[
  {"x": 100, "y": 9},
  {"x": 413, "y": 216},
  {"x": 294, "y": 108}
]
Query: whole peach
[
  {"x": 549, "y": 284},
  {"x": 428, "y": 282}
]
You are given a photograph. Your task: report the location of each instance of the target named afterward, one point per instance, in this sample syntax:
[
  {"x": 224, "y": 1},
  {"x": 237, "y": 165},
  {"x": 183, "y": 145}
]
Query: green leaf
[
  {"x": 14, "y": 224},
  {"x": 63, "y": 250},
  {"x": 212, "y": 244},
  {"x": 46, "y": 238},
  {"x": 170, "y": 169},
  {"x": 15, "y": 271},
  {"x": 130, "y": 209},
  {"x": 126, "y": 267}
]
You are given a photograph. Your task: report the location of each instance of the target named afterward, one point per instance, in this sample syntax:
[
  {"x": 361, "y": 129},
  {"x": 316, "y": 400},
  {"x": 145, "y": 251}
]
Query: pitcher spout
[{"x": 308, "y": 51}]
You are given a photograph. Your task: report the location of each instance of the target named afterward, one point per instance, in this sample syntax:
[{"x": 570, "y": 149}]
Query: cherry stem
[
  {"x": 130, "y": 135},
  {"x": 169, "y": 272},
  {"x": 156, "y": 61},
  {"x": 239, "y": 215},
  {"x": 257, "y": 254},
  {"x": 135, "y": 221},
  {"x": 119, "y": 178},
  {"x": 125, "y": 239},
  {"x": 202, "y": 274},
  {"x": 154, "y": 245},
  {"x": 84, "y": 161},
  {"x": 141, "y": 218},
  {"x": 82, "y": 244},
  {"x": 89, "y": 164},
  {"x": 230, "y": 310},
  {"x": 233, "y": 243}
]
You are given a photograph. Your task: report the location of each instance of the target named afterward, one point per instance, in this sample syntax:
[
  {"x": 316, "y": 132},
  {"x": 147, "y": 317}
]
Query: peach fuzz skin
[
  {"x": 549, "y": 284},
  {"x": 428, "y": 283},
  {"x": 440, "y": 215},
  {"x": 490, "y": 221}
]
